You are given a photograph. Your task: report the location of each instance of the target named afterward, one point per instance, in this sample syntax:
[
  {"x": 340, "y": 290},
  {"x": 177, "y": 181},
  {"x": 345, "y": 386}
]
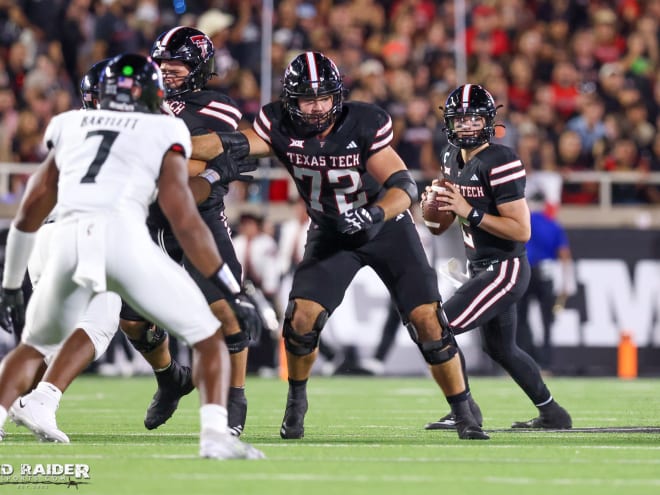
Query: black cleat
[
  {"x": 293, "y": 425},
  {"x": 236, "y": 415},
  {"x": 448, "y": 421},
  {"x": 557, "y": 419},
  {"x": 467, "y": 431},
  {"x": 166, "y": 399}
]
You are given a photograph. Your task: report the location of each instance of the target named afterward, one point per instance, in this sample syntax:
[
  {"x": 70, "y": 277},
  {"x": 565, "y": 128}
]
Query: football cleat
[
  {"x": 166, "y": 399},
  {"x": 214, "y": 444},
  {"x": 236, "y": 415},
  {"x": 448, "y": 421},
  {"x": 293, "y": 425},
  {"x": 557, "y": 419},
  {"x": 467, "y": 431},
  {"x": 30, "y": 411}
]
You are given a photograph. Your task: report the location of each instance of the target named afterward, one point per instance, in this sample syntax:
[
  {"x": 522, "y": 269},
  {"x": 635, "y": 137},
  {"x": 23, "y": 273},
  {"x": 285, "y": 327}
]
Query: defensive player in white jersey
[
  {"x": 92, "y": 333},
  {"x": 106, "y": 167}
]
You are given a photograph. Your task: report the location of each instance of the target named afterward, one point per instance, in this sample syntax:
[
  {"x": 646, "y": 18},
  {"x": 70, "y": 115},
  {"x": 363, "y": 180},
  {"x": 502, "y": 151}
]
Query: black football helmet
[
  {"x": 131, "y": 83},
  {"x": 193, "y": 48},
  {"x": 89, "y": 85},
  {"x": 311, "y": 75},
  {"x": 470, "y": 99}
]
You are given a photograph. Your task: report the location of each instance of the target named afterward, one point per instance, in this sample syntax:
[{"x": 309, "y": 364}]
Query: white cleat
[
  {"x": 32, "y": 413},
  {"x": 218, "y": 445}
]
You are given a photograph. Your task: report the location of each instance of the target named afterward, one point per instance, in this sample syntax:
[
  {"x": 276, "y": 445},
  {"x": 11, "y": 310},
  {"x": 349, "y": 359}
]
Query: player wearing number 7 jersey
[
  {"x": 104, "y": 170},
  {"x": 357, "y": 191}
]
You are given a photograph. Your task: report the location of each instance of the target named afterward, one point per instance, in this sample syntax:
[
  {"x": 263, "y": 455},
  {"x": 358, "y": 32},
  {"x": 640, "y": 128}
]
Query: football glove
[
  {"x": 359, "y": 219},
  {"x": 12, "y": 310},
  {"x": 224, "y": 169},
  {"x": 241, "y": 304},
  {"x": 247, "y": 314}
]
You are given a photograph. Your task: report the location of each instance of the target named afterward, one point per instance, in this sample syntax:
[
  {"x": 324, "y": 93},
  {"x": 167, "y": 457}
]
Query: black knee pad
[
  {"x": 150, "y": 339},
  {"x": 436, "y": 351},
  {"x": 237, "y": 342},
  {"x": 297, "y": 344}
]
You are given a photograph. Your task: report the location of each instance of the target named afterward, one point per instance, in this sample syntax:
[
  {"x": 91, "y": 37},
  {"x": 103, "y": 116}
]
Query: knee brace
[
  {"x": 237, "y": 342},
  {"x": 150, "y": 339},
  {"x": 297, "y": 344},
  {"x": 436, "y": 351}
]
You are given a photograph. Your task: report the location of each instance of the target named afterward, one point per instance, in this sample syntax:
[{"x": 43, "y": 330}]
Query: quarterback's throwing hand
[{"x": 358, "y": 219}]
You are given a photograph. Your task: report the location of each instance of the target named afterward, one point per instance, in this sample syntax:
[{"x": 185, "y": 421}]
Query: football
[{"x": 437, "y": 221}]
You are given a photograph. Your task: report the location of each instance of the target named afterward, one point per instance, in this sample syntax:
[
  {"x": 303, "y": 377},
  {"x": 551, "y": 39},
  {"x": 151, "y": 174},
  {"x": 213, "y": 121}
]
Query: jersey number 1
[{"x": 101, "y": 154}]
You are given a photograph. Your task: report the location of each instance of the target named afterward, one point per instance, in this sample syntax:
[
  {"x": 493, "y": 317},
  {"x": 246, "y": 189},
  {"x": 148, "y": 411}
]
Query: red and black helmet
[
  {"x": 311, "y": 75},
  {"x": 193, "y": 48},
  {"x": 467, "y": 100}
]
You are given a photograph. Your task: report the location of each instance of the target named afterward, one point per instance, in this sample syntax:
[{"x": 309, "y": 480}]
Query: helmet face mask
[
  {"x": 89, "y": 85},
  {"x": 312, "y": 75},
  {"x": 131, "y": 83},
  {"x": 194, "y": 49},
  {"x": 470, "y": 100}
]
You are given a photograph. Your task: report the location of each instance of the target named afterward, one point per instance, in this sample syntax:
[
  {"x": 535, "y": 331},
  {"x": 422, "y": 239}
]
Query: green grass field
[{"x": 363, "y": 436}]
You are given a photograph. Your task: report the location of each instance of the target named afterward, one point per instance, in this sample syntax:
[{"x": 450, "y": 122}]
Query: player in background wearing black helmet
[
  {"x": 106, "y": 167},
  {"x": 487, "y": 193},
  {"x": 185, "y": 56},
  {"x": 357, "y": 191}
]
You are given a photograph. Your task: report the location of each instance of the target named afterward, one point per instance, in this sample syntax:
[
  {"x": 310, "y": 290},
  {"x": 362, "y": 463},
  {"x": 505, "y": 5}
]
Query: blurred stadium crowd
[{"x": 578, "y": 80}]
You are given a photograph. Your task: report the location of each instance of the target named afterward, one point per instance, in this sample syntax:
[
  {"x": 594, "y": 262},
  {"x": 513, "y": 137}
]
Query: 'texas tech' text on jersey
[
  {"x": 493, "y": 177},
  {"x": 330, "y": 174}
]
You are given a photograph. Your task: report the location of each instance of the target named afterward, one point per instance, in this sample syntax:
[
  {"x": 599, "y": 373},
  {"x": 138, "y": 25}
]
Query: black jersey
[
  {"x": 203, "y": 112},
  {"x": 493, "y": 177},
  {"x": 330, "y": 174}
]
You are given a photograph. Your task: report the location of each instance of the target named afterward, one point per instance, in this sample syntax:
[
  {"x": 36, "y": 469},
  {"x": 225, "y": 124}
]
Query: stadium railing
[{"x": 603, "y": 214}]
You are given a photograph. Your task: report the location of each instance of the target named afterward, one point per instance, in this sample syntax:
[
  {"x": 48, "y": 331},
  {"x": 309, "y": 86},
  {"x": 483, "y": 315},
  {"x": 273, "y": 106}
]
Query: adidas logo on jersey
[
  {"x": 474, "y": 177},
  {"x": 351, "y": 145}
]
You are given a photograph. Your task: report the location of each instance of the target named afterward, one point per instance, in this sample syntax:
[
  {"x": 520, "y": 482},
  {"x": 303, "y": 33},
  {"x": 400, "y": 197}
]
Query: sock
[
  {"x": 3, "y": 416},
  {"x": 213, "y": 417},
  {"x": 49, "y": 394},
  {"x": 460, "y": 405},
  {"x": 297, "y": 389},
  {"x": 547, "y": 407},
  {"x": 167, "y": 376},
  {"x": 236, "y": 393}
]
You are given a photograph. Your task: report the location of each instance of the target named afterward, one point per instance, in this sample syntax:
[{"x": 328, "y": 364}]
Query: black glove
[
  {"x": 247, "y": 315},
  {"x": 241, "y": 304},
  {"x": 12, "y": 310},
  {"x": 229, "y": 169},
  {"x": 359, "y": 219}
]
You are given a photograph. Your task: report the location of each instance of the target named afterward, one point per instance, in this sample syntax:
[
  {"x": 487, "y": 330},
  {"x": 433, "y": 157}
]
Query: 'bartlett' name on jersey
[
  {"x": 103, "y": 120},
  {"x": 334, "y": 161}
]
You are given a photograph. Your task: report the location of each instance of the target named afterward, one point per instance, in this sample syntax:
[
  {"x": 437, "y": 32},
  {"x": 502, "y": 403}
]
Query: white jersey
[
  {"x": 109, "y": 163},
  {"x": 101, "y": 168}
]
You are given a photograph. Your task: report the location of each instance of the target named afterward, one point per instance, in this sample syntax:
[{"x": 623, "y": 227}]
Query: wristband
[
  {"x": 377, "y": 214},
  {"x": 210, "y": 175},
  {"x": 475, "y": 217},
  {"x": 18, "y": 250},
  {"x": 227, "y": 279}
]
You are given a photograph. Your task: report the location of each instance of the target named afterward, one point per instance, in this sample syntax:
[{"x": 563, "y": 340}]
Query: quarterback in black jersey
[
  {"x": 486, "y": 190},
  {"x": 185, "y": 56},
  {"x": 357, "y": 191}
]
